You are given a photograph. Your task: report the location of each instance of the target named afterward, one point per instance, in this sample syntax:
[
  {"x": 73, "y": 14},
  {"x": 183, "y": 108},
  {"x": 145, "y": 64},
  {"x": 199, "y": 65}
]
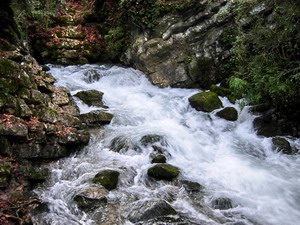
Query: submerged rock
[
  {"x": 222, "y": 203},
  {"x": 91, "y": 76},
  {"x": 205, "y": 101},
  {"x": 282, "y": 145},
  {"x": 228, "y": 113},
  {"x": 160, "y": 158},
  {"x": 191, "y": 186},
  {"x": 91, "y": 198},
  {"x": 151, "y": 139},
  {"x": 5, "y": 174},
  {"x": 96, "y": 117},
  {"x": 122, "y": 143},
  {"x": 163, "y": 172},
  {"x": 151, "y": 209},
  {"x": 107, "y": 178},
  {"x": 91, "y": 98}
]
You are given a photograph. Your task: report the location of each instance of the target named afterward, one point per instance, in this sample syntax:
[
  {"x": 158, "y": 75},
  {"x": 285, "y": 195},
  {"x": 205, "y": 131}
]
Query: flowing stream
[{"x": 227, "y": 158}]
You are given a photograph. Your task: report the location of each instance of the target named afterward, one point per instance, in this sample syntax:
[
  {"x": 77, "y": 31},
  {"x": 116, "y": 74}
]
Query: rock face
[
  {"x": 107, "y": 178},
  {"x": 148, "y": 210},
  {"x": 91, "y": 97},
  {"x": 96, "y": 117},
  {"x": 205, "y": 101},
  {"x": 282, "y": 145},
  {"x": 163, "y": 172},
  {"x": 228, "y": 113},
  {"x": 185, "y": 49}
]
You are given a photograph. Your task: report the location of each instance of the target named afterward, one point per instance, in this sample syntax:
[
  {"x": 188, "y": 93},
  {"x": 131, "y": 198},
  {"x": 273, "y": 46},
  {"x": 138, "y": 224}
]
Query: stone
[
  {"x": 107, "y": 178},
  {"x": 37, "y": 175},
  {"x": 222, "y": 203},
  {"x": 150, "y": 209},
  {"x": 160, "y": 158},
  {"x": 45, "y": 68},
  {"x": 37, "y": 97},
  {"x": 221, "y": 91},
  {"x": 205, "y": 101},
  {"x": 5, "y": 174},
  {"x": 191, "y": 186},
  {"x": 163, "y": 172},
  {"x": 96, "y": 117},
  {"x": 91, "y": 198},
  {"x": 71, "y": 136},
  {"x": 91, "y": 76},
  {"x": 60, "y": 97},
  {"x": 228, "y": 113},
  {"x": 151, "y": 139},
  {"x": 22, "y": 109},
  {"x": 91, "y": 97},
  {"x": 13, "y": 126},
  {"x": 282, "y": 145}
]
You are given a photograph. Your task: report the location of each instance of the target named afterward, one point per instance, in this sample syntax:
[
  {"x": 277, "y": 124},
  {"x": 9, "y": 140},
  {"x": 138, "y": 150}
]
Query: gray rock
[
  {"x": 151, "y": 139},
  {"x": 222, "y": 203},
  {"x": 91, "y": 198},
  {"x": 91, "y": 98},
  {"x": 96, "y": 117},
  {"x": 92, "y": 76}
]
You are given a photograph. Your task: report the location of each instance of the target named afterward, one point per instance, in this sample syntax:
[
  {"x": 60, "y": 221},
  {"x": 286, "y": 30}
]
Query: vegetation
[{"x": 267, "y": 51}]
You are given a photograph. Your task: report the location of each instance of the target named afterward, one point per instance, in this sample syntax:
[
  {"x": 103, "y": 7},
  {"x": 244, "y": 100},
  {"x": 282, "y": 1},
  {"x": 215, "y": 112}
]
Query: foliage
[{"x": 267, "y": 51}]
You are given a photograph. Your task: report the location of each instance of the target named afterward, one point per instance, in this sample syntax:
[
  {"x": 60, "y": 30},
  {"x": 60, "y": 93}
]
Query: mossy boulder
[
  {"x": 282, "y": 145},
  {"x": 91, "y": 198},
  {"x": 151, "y": 139},
  {"x": 205, "y": 101},
  {"x": 163, "y": 172},
  {"x": 221, "y": 91},
  {"x": 96, "y": 117},
  {"x": 160, "y": 158},
  {"x": 107, "y": 178},
  {"x": 37, "y": 175},
  {"x": 228, "y": 113},
  {"x": 222, "y": 203},
  {"x": 148, "y": 210},
  {"x": 5, "y": 174},
  {"x": 91, "y": 97}
]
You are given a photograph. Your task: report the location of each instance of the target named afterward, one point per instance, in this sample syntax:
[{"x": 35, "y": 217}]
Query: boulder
[
  {"x": 228, "y": 113},
  {"x": 37, "y": 175},
  {"x": 163, "y": 172},
  {"x": 191, "y": 186},
  {"x": 151, "y": 139},
  {"x": 107, "y": 178},
  {"x": 205, "y": 101},
  {"x": 13, "y": 126},
  {"x": 222, "y": 203},
  {"x": 151, "y": 209},
  {"x": 5, "y": 174},
  {"x": 91, "y": 98},
  {"x": 221, "y": 91},
  {"x": 96, "y": 117},
  {"x": 282, "y": 145},
  {"x": 160, "y": 158},
  {"x": 91, "y": 198},
  {"x": 60, "y": 97},
  {"x": 122, "y": 143}
]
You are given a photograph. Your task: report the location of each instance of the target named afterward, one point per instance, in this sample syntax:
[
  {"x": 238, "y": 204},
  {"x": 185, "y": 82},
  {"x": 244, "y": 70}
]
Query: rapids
[{"x": 227, "y": 158}]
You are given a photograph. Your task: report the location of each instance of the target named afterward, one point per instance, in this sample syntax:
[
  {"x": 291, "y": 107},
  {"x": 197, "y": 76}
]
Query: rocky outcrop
[{"x": 185, "y": 49}]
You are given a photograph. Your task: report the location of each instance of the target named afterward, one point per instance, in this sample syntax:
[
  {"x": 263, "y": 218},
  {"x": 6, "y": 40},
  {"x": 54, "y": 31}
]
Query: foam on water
[{"x": 228, "y": 158}]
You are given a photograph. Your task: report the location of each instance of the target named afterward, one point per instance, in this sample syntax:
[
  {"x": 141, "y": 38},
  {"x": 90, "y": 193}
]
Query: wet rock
[
  {"x": 71, "y": 136},
  {"x": 222, "y": 203},
  {"x": 13, "y": 126},
  {"x": 147, "y": 210},
  {"x": 151, "y": 139},
  {"x": 96, "y": 117},
  {"x": 5, "y": 174},
  {"x": 282, "y": 145},
  {"x": 122, "y": 143},
  {"x": 228, "y": 113},
  {"x": 45, "y": 68},
  {"x": 191, "y": 186},
  {"x": 205, "y": 101},
  {"x": 91, "y": 198},
  {"x": 221, "y": 91},
  {"x": 163, "y": 172},
  {"x": 92, "y": 76},
  {"x": 37, "y": 175},
  {"x": 107, "y": 178},
  {"x": 91, "y": 97},
  {"x": 160, "y": 158}
]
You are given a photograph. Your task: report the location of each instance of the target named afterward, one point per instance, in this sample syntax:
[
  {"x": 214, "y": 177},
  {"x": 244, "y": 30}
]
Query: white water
[{"x": 228, "y": 158}]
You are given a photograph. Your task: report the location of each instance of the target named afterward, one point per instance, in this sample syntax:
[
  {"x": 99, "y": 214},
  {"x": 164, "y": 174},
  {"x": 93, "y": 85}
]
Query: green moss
[
  {"x": 7, "y": 67},
  {"x": 205, "y": 101},
  {"x": 221, "y": 91},
  {"x": 163, "y": 172},
  {"x": 107, "y": 178}
]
